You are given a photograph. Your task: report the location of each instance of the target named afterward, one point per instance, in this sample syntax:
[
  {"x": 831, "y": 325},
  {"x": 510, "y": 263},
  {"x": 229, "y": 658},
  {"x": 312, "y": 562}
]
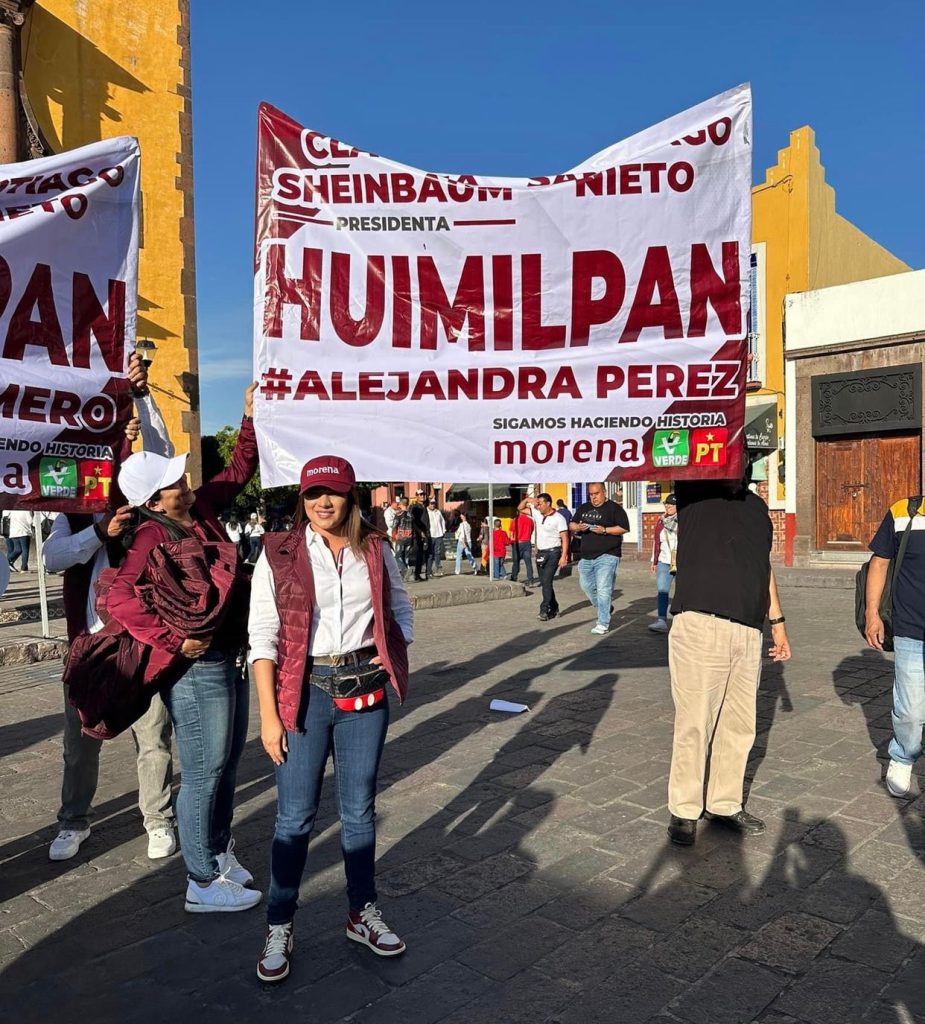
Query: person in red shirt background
[
  {"x": 522, "y": 545},
  {"x": 499, "y": 543}
]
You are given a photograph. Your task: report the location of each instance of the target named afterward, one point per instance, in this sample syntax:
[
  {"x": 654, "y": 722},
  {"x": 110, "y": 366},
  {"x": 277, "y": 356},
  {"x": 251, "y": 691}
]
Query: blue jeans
[
  {"x": 908, "y": 699},
  {"x": 18, "y": 547},
  {"x": 356, "y": 739},
  {"x": 463, "y": 552},
  {"x": 521, "y": 551},
  {"x": 596, "y": 576},
  {"x": 663, "y": 580},
  {"x": 436, "y": 555},
  {"x": 498, "y": 567},
  {"x": 209, "y": 709}
]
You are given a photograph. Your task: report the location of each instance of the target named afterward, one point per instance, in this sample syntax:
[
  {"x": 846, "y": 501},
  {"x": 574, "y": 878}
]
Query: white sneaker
[
  {"x": 659, "y": 626},
  {"x": 220, "y": 896},
  {"x": 600, "y": 630},
  {"x": 67, "y": 843},
  {"x": 899, "y": 778},
  {"x": 162, "y": 842},
  {"x": 231, "y": 867}
]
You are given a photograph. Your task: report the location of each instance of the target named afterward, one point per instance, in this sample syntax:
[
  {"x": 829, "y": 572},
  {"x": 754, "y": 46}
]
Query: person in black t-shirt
[
  {"x": 601, "y": 524},
  {"x": 423, "y": 545},
  {"x": 725, "y": 588},
  {"x": 908, "y": 632}
]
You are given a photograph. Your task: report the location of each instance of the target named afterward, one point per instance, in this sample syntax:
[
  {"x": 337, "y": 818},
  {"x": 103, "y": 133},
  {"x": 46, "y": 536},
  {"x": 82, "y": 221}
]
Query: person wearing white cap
[
  {"x": 208, "y": 705},
  {"x": 82, "y": 547}
]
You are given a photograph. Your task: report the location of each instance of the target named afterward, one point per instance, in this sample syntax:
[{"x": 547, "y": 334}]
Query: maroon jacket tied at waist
[
  {"x": 289, "y": 561},
  {"x": 125, "y": 603}
]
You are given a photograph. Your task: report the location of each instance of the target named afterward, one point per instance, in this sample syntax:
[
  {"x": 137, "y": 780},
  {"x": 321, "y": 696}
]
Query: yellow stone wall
[
  {"x": 807, "y": 244},
  {"x": 106, "y": 68}
]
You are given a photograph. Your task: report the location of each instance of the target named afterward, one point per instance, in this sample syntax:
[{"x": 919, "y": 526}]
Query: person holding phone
[{"x": 330, "y": 624}]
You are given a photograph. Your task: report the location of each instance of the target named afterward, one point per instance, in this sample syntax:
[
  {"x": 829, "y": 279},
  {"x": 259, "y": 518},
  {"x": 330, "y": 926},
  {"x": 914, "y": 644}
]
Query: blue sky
[{"x": 490, "y": 89}]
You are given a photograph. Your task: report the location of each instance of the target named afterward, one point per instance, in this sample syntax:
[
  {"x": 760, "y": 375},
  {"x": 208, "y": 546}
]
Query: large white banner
[
  {"x": 450, "y": 327},
  {"x": 68, "y": 300}
]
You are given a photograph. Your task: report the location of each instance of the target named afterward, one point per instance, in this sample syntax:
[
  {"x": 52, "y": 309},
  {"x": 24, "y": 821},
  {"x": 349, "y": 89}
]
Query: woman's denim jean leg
[
  {"x": 356, "y": 739},
  {"x": 908, "y": 699},
  {"x": 209, "y": 709},
  {"x": 463, "y": 552},
  {"x": 663, "y": 580}
]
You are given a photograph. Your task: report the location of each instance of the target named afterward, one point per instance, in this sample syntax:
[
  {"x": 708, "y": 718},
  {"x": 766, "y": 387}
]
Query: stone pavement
[{"x": 523, "y": 858}]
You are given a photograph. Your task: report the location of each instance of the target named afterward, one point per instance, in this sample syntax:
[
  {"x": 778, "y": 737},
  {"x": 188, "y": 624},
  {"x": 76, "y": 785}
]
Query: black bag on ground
[{"x": 886, "y": 598}]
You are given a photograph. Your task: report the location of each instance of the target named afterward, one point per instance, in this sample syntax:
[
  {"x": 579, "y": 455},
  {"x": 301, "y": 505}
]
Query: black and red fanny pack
[{"x": 352, "y": 688}]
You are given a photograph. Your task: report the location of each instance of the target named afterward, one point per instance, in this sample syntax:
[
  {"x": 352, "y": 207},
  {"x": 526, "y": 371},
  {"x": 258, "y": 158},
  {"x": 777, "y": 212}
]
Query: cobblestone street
[{"x": 523, "y": 858}]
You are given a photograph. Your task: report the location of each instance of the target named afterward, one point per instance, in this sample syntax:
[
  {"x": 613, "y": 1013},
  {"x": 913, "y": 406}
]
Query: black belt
[
  {"x": 725, "y": 618},
  {"x": 350, "y": 658}
]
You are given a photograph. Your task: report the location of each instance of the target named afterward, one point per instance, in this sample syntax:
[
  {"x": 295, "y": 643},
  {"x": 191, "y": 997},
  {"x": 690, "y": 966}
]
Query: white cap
[{"x": 143, "y": 474}]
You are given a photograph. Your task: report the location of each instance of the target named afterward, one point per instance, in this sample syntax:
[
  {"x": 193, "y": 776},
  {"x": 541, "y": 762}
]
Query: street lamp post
[{"x": 146, "y": 349}]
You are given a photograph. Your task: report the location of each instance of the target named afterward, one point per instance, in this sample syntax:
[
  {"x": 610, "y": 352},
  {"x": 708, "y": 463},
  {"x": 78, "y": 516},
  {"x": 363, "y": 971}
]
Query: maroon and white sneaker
[
  {"x": 366, "y": 926},
  {"x": 273, "y": 964}
]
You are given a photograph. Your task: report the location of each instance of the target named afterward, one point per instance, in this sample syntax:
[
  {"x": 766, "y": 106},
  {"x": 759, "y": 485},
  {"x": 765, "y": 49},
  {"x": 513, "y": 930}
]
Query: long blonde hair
[{"x": 357, "y": 530}]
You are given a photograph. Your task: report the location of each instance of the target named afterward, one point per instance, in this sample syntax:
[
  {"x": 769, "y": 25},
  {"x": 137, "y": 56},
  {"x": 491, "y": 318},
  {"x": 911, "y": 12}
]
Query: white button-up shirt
[{"x": 343, "y": 616}]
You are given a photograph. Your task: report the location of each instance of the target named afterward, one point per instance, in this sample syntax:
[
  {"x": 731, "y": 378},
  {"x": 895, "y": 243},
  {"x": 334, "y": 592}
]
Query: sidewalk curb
[
  {"x": 28, "y": 652},
  {"x": 477, "y": 594}
]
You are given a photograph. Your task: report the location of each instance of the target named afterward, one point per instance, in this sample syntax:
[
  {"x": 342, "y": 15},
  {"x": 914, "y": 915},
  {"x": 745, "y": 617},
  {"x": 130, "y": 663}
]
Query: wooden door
[{"x": 857, "y": 479}]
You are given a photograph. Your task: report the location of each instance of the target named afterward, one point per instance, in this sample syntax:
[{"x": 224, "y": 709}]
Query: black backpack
[{"x": 892, "y": 573}]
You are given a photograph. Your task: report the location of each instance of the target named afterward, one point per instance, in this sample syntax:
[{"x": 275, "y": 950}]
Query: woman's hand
[
  {"x": 274, "y": 739},
  {"x": 249, "y": 400},
  {"x": 653, "y": 567},
  {"x": 137, "y": 374},
  {"x": 194, "y": 649}
]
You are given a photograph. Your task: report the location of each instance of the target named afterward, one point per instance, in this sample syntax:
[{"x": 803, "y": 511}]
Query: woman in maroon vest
[{"x": 329, "y": 628}]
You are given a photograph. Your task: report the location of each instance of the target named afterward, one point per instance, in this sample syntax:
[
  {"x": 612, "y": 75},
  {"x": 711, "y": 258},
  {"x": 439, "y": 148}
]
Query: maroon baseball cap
[{"x": 329, "y": 471}]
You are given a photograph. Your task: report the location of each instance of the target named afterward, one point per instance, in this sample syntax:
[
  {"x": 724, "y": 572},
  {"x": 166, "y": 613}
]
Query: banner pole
[
  {"x": 491, "y": 529},
  {"x": 40, "y": 569}
]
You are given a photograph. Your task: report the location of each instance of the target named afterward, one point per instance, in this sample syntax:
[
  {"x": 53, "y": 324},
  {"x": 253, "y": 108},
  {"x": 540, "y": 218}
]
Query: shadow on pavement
[{"x": 519, "y": 903}]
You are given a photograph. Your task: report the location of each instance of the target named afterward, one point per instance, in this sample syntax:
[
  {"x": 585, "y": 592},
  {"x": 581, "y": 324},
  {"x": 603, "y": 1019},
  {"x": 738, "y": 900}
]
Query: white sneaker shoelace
[
  {"x": 277, "y": 946},
  {"x": 371, "y": 916}
]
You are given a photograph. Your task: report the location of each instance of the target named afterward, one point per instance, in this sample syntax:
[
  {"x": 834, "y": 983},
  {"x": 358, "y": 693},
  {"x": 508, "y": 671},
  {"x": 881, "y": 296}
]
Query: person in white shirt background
[
  {"x": 464, "y": 545},
  {"x": 67, "y": 550},
  {"x": 20, "y": 540},
  {"x": 254, "y": 531},
  {"x": 437, "y": 533}
]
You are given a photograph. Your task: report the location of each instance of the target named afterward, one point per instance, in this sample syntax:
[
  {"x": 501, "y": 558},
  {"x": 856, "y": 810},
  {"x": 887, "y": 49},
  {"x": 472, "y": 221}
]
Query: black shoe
[
  {"x": 682, "y": 831},
  {"x": 742, "y": 822},
  {"x": 419, "y": 579}
]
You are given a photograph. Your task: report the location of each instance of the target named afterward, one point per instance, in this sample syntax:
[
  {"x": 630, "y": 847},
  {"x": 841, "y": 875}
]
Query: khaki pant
[
  {"x": 152, "y": 734},
  {"x": 715, "y": 668}
]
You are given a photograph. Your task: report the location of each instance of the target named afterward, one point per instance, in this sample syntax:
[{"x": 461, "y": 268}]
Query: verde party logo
[
  {"x": 671, "y": 448},
  {"x": 58, "y": 478}
]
